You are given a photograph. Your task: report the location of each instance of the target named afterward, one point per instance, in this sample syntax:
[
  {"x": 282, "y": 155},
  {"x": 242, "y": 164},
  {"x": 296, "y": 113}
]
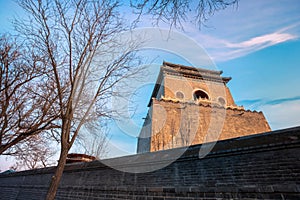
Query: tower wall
[
  {"x": 144, "y": 139},
  {"x": 177, "y": 124},
  {"x": 188, "y": 86},
  {"x": 192, "y": 106}
]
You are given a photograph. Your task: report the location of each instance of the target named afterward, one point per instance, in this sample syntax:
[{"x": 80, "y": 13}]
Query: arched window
[
  {"x": 179, "y": 95},
  {"x": 199, "y": 94}
]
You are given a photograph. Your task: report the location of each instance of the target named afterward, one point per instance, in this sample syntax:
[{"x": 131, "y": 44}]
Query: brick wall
[
  {"x": 176, "y": 124},
  {"x": 187, "y": 86},
  {"x": 264, "y": 166}
]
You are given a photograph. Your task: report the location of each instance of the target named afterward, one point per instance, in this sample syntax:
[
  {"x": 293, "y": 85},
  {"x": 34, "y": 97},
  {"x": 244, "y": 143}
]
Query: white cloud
[
  {"x": 282, "y": 115},
  {"x": 223, "y": 50},
  {"x": 268, "y": 39},
  {"x": 226, "y": 49}
]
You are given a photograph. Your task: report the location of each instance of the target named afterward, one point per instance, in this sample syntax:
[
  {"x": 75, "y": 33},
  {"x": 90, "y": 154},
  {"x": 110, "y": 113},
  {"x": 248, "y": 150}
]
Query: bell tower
[{"x": 192, "y": 106}]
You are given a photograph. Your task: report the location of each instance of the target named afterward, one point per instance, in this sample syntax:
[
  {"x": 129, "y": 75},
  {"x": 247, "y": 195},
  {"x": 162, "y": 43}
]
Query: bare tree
[
  {"x": 80, "y": 43},
  {"x": 76, "y": 49},
  {"x": 35, "y": 152},
  {"x": 93, "y": 139},
  {"x": 24, "y": 111},
  {"x": 176, "y": 12}
]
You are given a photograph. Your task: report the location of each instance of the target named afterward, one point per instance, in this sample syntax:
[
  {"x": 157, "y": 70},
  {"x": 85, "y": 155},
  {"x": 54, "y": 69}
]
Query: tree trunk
[{"x": 58, "y": 174}]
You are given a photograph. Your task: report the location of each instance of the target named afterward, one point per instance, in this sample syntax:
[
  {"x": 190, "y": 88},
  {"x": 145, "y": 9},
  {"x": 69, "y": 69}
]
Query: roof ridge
[{"x": 198, "y": 69}]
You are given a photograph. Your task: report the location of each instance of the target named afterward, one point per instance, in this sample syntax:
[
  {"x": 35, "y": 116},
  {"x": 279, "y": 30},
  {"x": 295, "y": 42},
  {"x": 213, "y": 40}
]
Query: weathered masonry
[
  {"x": 192, "y": 106},
  {"x": 261, "y": 166}
]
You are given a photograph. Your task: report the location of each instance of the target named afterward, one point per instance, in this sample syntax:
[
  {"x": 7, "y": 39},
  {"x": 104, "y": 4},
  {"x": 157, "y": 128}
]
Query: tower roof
[
  {"x": 193, "y": 72},
  {"x": 168, "y": 68},
  {"x": 190, "y": 68}
]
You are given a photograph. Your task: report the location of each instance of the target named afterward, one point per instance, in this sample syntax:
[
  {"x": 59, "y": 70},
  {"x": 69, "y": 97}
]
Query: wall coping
[{"x": 268, "y": 141}]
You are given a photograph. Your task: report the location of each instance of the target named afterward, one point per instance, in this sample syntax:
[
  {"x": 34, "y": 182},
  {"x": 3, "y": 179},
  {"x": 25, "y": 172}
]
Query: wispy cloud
[
  {"x": 260, "y": 41},
  {"x": 223, "y": 50},
  {"x": 259, "y": 102},
  {"x": 280, "y": 113},
  {"x": 283, "y": 100}
]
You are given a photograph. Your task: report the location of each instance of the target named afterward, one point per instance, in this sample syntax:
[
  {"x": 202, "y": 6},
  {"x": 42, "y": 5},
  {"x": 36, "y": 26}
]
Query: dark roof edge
[{"x": 192, "y": 68}]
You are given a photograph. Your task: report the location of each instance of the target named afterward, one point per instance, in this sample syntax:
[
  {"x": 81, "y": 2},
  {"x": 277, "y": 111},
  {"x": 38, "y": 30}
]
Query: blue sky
[
  {"x": 261, "y": 52},
  {"x": 257, "y": 43}
]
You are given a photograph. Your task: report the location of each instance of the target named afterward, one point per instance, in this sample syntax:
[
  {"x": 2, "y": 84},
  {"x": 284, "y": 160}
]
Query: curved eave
[{"x": 190, "y": 68}]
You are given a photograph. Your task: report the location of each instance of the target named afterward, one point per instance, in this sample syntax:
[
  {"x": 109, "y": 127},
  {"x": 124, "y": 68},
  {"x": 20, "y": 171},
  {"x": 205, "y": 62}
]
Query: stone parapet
[{"x": 262, "y": 166}]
